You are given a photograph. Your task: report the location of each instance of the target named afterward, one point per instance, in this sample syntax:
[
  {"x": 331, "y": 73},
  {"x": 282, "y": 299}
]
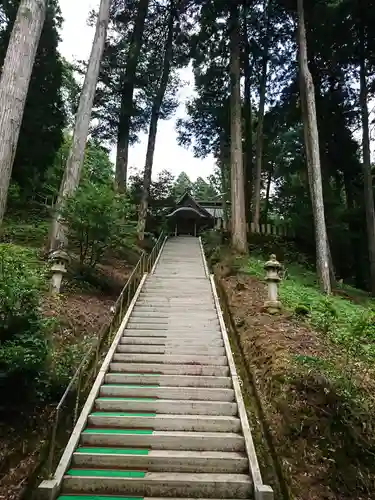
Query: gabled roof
[
  {"x": 187, "y": 198},
  {"x": 190, "y": 210}
]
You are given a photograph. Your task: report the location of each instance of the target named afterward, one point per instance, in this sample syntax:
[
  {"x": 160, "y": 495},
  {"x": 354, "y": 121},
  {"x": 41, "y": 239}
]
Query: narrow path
[{"x": 165, "y": 422}]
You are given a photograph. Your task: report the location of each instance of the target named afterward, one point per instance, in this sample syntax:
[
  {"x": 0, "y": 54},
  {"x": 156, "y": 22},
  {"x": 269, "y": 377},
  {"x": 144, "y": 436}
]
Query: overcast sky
[{"x": 76, "y": 44}]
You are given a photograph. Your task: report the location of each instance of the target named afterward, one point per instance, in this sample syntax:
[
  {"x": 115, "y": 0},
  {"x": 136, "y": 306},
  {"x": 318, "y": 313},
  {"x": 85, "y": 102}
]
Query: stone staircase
[{"x": 167, "y": 418}]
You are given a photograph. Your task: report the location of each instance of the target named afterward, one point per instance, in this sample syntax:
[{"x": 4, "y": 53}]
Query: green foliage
[
  {"x": 97, "y": 167},
  {"x": 182, "y": 185},
  {"x": 325, "y": 315},
  {"x": 212, "y": 241},
  {"x": 63, "y": 364},
  {"x": 335, "y": 418},
  {"x": 23, "y": 340},
  {"x": 98, "y": 220},
  {"x": 350, "y": 325},
  {"x": 44, "y": 116},
  {"x": 203, "y": 190},
  {"x": 31, "y": 234},
  {"x": 114, "y": 79}
]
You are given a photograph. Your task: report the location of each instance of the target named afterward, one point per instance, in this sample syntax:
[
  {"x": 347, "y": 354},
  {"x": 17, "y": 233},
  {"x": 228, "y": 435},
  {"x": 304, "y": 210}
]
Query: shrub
[
  {"x": 32, "y": 234},
  {"x": 325, "y": 315},
  {"x": 97, "y": 220},
  {"x": 212, "y": 242},
  {"x": 23, "y": 341}
]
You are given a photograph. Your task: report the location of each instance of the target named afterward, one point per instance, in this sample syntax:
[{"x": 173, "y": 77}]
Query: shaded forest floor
[
  {"x": 314, "y": 372},
  {"x": 76, "y": 317}
]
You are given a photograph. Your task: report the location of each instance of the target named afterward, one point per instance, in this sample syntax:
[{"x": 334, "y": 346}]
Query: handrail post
[
  {"x": 77, "y": 397},
  {"x": 53, "y": 444}
]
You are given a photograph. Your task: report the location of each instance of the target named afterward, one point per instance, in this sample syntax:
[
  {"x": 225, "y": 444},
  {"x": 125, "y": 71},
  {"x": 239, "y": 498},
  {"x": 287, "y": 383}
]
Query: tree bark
[
  {"x": 259, "y": 136},
  {"x": 238, "y": 220},
  {"x": 127, "y": 91},
  {"x": 307, "y": 93},
  {"x": 367, "y": 174},
  {"x": 354, "y": 231},
  {"x": 247, "y": 115},
  {"x": 223, "y": 162},
  {"x": 75, "y": 159},
  {"x": 268, "y": 190},
  {"x": 168, "y": 55},
  {"x": 14, "y": 85}
]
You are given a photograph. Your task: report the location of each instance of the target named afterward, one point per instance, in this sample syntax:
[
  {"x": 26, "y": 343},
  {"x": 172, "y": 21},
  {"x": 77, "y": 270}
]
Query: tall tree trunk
[
  {"x": 307, "y": 93},
  {"x": 238, "y": 222},
  {"x": 367, "y": 175},
  {"x": 259, "y": 136},
  {"x": 75, "y": 159},
  {"x": 354, "y": 231},
  {"x": 14, "y": 85},
  {"x": 247, "y": 115},
  {"x": 127, "y": 91},
  {"x": 268, "y": 190},
  {"x": 168, "y": 55},
  {"x": 223, "y": 162}
]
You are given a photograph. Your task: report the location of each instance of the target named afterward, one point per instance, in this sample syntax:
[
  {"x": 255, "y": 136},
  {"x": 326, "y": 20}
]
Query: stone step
[
  {"x": 176, "y": 273},
  {"x": 169, "y": 380},
  {"x": 169, "y": 304},
  {"x": 160, "y": 460},
  {"x": 163, "y": 440},
  {"x": 172, "y": 349},
  {"x": 111, "y": 497},
  {"x": 163, "y": 484},
  {"x": 178, "y": 324},
  {"x": 181, "y": 290},
  {"x": 173, "y": 261},
  {"x": 189, "y": 266},
  {"x": 173, "y": 333},
  {"x": 178, "y": 294},
  {"x": 205, "y": 326},
  {"x": 142, "y": 311},
  {"x": 182, "y": 359},
  {"x": 166, "y": 307},
  {"x": 170, "y": 369},
  {"x": 173, "y": 319},
  {"x": 167, "y": 392},
  {"x": 165, "y": 422},
  {"x": 164, "y": 300},
  {"x": 171, "y": 341},
  {"x": 193, "y": 285},
  {"x": 175, "y": 406}
]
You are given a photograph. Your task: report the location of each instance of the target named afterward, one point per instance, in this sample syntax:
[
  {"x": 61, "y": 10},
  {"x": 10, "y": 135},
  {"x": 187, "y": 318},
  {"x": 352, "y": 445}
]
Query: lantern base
[{"x": 272, "y": 306}]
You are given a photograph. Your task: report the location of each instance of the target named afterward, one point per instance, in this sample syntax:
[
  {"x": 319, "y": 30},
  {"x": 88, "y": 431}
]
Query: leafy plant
[
  {"x": 97, "y": 220},
  {"x": 359, "y": 339},
  {"x": 23, "y": 340},
  {"x": 325, "y": 315}
]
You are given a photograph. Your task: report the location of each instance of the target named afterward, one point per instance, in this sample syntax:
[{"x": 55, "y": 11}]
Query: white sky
[{"x": 76, "y": 44}]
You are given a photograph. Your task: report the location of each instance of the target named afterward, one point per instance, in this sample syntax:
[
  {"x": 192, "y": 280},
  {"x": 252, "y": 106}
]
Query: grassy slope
[
  {"x": 314, "y": 366},
  {"x": 76, "y": 317}
]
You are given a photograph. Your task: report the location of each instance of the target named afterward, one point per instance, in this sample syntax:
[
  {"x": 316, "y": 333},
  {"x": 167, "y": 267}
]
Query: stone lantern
[
  {"x": 59, "y": 259},
  {"x": 272, "y": 268}
]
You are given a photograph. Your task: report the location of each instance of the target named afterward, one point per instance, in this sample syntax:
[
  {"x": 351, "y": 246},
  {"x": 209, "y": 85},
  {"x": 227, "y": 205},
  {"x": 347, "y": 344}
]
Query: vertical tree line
[{"x": 276, "y": 92}]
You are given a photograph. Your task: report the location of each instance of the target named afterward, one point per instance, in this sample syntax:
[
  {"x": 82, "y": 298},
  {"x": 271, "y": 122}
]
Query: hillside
[
  {"x": 71, "y": 323},
  {"x": 313, "y": 370}
]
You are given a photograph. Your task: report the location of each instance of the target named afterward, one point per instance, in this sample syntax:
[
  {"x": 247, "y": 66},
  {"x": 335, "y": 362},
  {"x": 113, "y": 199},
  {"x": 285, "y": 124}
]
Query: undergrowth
[
  {"x": 320, "y": 399},
  {"x": 329, "y": 396},
  {"x": 350, "y": 325}
]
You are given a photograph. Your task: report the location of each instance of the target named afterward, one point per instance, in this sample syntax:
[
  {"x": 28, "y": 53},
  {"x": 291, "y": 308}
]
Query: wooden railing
[{"x": 271, "y": 229}]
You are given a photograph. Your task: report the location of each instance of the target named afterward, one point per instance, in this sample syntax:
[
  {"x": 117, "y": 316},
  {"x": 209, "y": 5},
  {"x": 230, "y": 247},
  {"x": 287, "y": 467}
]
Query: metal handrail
[{"x": 90, "y": 364}]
